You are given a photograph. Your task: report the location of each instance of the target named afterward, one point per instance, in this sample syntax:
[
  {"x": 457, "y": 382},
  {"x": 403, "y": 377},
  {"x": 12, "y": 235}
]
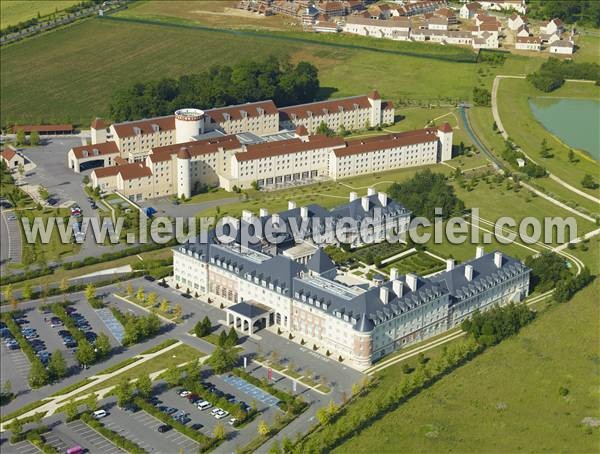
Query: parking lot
[
  {"x": 94, "y": 441},
  {"x": 141, "y": 428},
  {"x": 23, "y": 447},
  {"x": 15, "y": 368}
]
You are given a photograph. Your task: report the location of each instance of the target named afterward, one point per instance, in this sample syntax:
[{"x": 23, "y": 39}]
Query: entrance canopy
[{"x": 244, "y": 315}]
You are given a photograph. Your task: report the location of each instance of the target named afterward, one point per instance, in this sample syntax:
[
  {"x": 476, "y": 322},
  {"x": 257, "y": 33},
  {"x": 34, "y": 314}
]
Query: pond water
[{"x": 574, "y": 121}]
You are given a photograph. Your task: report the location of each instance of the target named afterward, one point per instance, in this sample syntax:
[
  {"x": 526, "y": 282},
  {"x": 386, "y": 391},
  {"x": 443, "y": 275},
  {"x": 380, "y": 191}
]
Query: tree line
[
  {"x": 582, "y": 12},
  {"x": 273, "y": 78},
  {"x": 553, "y": 73}
]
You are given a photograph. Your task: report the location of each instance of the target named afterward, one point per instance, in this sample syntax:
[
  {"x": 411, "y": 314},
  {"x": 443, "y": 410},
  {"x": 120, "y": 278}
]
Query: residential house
[
  {"x": 561, "y": 46},
  {"x": 528, "y": 43}
]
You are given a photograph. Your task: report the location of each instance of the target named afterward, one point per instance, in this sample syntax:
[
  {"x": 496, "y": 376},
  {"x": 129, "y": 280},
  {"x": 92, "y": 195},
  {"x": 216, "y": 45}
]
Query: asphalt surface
[{"x": 340, "y": 376}]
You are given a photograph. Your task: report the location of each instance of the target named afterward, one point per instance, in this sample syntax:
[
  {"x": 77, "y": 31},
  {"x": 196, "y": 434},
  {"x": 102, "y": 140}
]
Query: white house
[
  {"x": 553, "y": 26},
  {"x": 561, "y": 46},
  {"x": 549, "y": 38},
  {"x": 505, "y": 5},
  {"x": 515, "y": 21},
  {"x": 528, "y": 43},
  {"x": 486, "y": 40},
  {"x": 522, "y": 31},
  {"x": 468, "y": 10},
  {"x": 437, "y": 23}
]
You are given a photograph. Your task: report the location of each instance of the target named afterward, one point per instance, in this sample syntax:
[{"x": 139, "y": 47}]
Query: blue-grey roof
[
  {"x": 356, "y": 211},
  {"x": 247, "y": 310},
  {"x": 320, "y": 262}
]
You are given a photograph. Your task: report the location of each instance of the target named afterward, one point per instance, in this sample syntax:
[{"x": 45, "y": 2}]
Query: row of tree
[
  {"x": 273, "y": 78},
  {"x": 553, "y": 72}
]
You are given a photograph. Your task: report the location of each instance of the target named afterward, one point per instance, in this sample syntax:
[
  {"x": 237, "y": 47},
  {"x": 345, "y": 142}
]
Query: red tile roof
[
  {"x": 99, "y": 123},
  {"x": 102, "y": 149},
  {"x": 288, "y": 146},
  {"x": 318, "y": 108},
  {"x": 235, "y": 112},
  {"x": 7, "y": 154},
  {"x": 445, "y": 127},
  {"x": 196, "y": 147},
  {"x": 145, "y": 126},
  {"x": 134, "y": 170},
  {"x": 103, "y": 172},
  {"x": 365, "y": 145},
  {"x": 528, "y": 39}
]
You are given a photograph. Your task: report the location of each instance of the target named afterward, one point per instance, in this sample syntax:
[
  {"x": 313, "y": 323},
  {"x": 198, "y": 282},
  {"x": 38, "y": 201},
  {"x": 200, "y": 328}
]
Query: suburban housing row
[
  {"x": 241, "y": 146},
  {"x": 295, "y": 286}
]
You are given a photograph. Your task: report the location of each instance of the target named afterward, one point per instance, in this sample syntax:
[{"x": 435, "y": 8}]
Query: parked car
[
  {"x": 184, "y": 393},
  {"x": 222, "y": 414},
  {"x": 164, "y": 428},
  {"x": 203, "y": 405},
  {"x": 149, "y": 278},
  {"x": 232, "y": 421},
  {"x": 99, "y": 414},
  {"x": 196, "y": 426},
  {"x": 184, "y": 420}
]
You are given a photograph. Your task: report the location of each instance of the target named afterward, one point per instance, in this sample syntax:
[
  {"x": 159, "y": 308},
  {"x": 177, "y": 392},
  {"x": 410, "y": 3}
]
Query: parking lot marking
[
  {"x": 97, "y": 440},
  {"x": 23, "y": 447},
  {"x": 248, "y": 388}
]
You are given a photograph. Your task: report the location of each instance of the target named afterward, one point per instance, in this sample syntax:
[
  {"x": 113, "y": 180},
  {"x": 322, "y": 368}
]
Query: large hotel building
[
  {"x": 255, "y": 143},
  {"x": 296, "y": 287}
]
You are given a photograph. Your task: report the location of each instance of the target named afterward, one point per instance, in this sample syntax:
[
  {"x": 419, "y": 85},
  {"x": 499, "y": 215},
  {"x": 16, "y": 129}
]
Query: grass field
[
  {"x": 507, "y": 399},
  {"x": 14, "y": 11},
  {"x": 348, "y": 65},
  {"x": 513, "y": 96}
]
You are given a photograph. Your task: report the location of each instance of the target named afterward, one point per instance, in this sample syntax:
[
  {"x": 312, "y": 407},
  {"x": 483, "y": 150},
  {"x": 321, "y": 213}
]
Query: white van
[
  {"x": 203, "y": 405},
  {"x": 98, "y": 414}
]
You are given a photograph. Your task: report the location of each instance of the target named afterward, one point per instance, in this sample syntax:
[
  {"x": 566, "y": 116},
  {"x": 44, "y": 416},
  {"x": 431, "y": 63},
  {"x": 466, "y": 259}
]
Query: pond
[{"x": 574, "y": 121}]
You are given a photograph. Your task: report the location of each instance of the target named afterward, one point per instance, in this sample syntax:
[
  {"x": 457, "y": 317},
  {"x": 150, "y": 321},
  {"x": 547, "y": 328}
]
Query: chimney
[
  {"x": 398, "y": 287},
  {"x": 263, "y": 212},
  {"x": 498, "y": 259},
  {"x": 371, "y": 191},
  {"x": 411, "y": 281},
  {"x": 365, "y": 203},
  {"x": 384, "y": 294},
  {"x": 449, "y": 264},
  {"x": 246, "y": 215},
  {"x": 303, "y": 212},
  {"x": 479, "y": 252},
  {"x": 393, "y": 274},
  {"x": 353, "y": 196},
  {"x": 469, "y": 272},
  {"x": 291, "y": 205},
  {"x": 382, "y": 199}
]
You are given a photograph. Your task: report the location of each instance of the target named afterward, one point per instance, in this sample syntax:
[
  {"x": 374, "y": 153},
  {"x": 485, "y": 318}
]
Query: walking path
[
  {"x": 498, "y": 121},
  {"x": 398, "y": 256}
]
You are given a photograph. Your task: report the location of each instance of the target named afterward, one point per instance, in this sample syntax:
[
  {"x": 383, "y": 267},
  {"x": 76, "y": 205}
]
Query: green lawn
[
  {"x": 507, "y": 399},
  {"x": 419, "y": 263},
  {"x": 513, "y": 96},
  {"x": 348, "y": 65},
  {"x": 14, "y": 11},
  {"x": 589, "y": 49}
]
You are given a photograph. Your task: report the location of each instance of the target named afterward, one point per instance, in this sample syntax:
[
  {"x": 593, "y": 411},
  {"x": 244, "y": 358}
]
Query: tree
[
  {"x": 219, "y": 431},
  {"x": 222, "y": 342},
  {"x": 123, "y": 392},
  {"x": 8, "y": 292},
  {"x": 85, "y": 180},
  {"x": 232, "y": 338},
  {"x": 172, "y": 376},
  {"x": 38, "y": 375},
  {"x": 7, "y": 388},
  {"x": 102, "y": 345},
  {"x": 152, "y": 297},
  {"x": 34, "y": 138},
  {"x": 223, "y": 359},
  {"x": 589, "y": 182},
  {"x": 129, "y": 289},
  {"x": 57, "y": 366},
  {"x": 571, "y": 155},
  {"x": 140, "y": 295},
  {"x": 201, "y": 329},
  {"x": 21, "y": 170},
  {"x": 71, "y": 409},
  {"x": 43, "y": 193},
  {"x": 495, "y": 127},
  {"x": 21, "y": 138},
  {"x": 177, "y": 311},
  {"x": 325, "y": 130},
  {"x": 263, "y": 428},
  {"x": 64, "y": 286},
  {"x": 90, "y": 292},
  {"x": 85, "y": 354},
  {"x": 27, "y": 291},
  {"x": 545, "y": 150},
  {"x": 164, "y": 306},
  {"x": 144, "y": 386},
  {"x": 15, "y": 427},
  {"x": 481, "y": 96}
]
